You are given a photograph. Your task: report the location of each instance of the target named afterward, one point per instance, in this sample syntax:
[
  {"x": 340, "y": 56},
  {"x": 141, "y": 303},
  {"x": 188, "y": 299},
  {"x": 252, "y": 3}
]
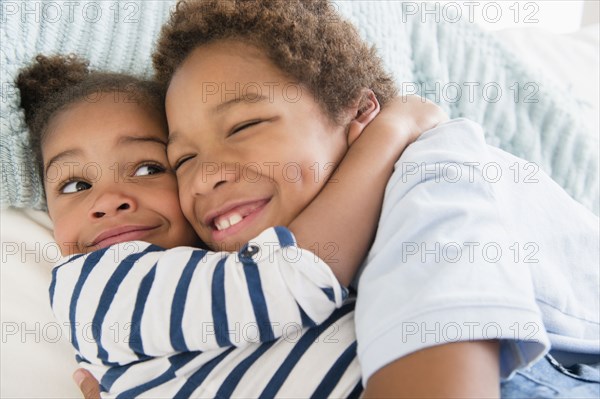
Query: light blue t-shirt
[{"x": 475, "y": 243}]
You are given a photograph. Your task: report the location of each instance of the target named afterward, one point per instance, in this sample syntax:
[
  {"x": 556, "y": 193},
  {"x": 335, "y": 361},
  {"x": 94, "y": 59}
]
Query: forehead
[
  {"x": 224, "y": 73},
  {"x": 219, "y": 70},
  {"x": 108, "y": 116}
]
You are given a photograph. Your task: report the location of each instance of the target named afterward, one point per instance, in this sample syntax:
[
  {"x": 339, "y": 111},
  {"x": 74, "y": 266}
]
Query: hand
[
  {"x": 87, "y": 384},
  {"x": 411, "y": 115},
  {"x": 397, "y": 125}
]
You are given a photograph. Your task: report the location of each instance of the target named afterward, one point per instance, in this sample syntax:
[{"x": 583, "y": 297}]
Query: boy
[{"x": 273, "y": 44}]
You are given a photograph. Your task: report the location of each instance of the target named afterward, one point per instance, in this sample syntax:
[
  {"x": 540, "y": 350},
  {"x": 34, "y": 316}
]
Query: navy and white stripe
[
  {"x": 319, "y": 360},
  {"x": 160, "y": 322}
]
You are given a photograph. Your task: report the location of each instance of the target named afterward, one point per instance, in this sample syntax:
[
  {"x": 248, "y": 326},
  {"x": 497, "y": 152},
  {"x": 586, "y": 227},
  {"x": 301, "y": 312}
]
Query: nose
[
  {"x": 112, "y": 203},
  {"x": 211, "y": 175}
]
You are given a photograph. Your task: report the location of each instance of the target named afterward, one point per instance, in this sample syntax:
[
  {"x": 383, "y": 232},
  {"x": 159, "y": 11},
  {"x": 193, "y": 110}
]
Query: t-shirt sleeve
[
  {"x": 442, "y": 267},
  {"x": 133, "y": 300}
]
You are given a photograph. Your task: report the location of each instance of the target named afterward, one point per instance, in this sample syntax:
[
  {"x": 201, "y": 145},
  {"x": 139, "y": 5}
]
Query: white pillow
[{"x": 36, "y": 357}]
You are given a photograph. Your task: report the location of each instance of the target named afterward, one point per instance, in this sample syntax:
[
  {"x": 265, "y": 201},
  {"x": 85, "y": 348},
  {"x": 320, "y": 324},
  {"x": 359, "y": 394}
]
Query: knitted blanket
[{"x": 466, "y": 70}]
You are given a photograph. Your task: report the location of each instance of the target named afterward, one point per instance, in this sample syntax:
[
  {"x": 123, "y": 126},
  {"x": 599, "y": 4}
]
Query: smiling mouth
[
  {"x": 121, "y": 234},
  {"x": 235, "y": 216}
]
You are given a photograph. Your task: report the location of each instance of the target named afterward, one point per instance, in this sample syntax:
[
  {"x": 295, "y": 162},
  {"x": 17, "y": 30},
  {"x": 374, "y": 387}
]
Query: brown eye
[
  {"x": 149, "y": 169},
  {"x": 75, "y": 186}
]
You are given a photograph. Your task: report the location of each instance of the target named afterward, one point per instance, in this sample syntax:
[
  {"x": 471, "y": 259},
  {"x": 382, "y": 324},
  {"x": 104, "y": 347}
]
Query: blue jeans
[{"x": 549, "y": 379}]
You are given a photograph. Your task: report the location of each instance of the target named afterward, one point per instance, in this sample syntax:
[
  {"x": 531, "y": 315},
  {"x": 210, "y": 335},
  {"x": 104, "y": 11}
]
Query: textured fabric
[
  {"x": 153, "y": 322},
  {"x": 467, "y": 70},
  {"x": 549, "y": 379},
  {"x": 116, "y": 36},
  {"x": 474, "y": 244}
]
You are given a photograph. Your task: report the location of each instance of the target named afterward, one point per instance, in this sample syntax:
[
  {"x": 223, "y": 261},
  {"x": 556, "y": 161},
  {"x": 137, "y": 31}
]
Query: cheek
[
  {"x": 57, "y": 217},
  {"x": 186, "y": 201},
  {"x": 297, "y": 187},
  {"x": 66, "y": 235},
  {"x": 169, "y": 203},
  {"x": 181, "y": 232},
  {"x": 309, "y": 176},
  {"x": 320, "y": 158},
  {"x": 59, "y": 233},
  {"x": 300, "y": 181}
]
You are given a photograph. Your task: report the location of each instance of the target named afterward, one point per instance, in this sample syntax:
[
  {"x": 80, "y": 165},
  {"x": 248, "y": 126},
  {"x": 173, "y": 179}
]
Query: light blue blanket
[{"x": 471, "y": 73}]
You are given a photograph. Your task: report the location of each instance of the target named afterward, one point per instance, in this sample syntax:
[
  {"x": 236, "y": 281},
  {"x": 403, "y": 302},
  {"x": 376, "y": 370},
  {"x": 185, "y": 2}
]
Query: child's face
[
  {"x": 107, "y": 178},
  {"x": 251, "y": 148}
]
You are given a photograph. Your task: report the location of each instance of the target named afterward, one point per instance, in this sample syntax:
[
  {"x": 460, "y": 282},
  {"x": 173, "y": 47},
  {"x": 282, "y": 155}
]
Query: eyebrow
[
  {"x": 246, "y": 98},
  {"x": 143, "y": 139},
  {"x": 123, "y": 140},
  {"x": 65, "y": 154}
]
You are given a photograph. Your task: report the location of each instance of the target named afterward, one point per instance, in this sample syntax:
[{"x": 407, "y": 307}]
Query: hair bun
[{"x": 47, "y": 77}]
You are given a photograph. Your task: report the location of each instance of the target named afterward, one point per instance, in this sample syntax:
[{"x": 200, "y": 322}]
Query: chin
[
  {"x": 234, "y": 244},
  {"x": 225, "y": 246}
]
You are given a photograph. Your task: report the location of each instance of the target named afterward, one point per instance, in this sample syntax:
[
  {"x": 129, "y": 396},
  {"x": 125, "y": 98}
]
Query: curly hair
[
  {"x": 306, "y": 39},
  {"x": 52, "y": 83}
]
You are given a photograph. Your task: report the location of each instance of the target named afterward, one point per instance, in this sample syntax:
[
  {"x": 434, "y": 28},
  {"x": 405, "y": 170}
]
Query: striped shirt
[{"x": 269, "y": 320}]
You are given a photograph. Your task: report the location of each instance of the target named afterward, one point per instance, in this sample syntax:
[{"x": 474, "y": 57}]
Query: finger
[{"x": 87, "y": 384}]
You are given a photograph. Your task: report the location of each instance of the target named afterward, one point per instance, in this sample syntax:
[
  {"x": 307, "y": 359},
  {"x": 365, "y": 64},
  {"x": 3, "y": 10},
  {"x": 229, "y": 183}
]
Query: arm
[
  {"x": 425, "y": 278},
  {"x": 455, "y": 370},
  {"x": 359, "y": 183},
  {"x": 144, "y": 300}
]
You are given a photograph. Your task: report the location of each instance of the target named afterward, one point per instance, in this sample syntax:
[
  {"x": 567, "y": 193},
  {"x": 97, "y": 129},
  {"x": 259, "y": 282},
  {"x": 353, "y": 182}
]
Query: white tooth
[
  {"x": 235, "y": 219},
  {"x": 222, "y": 224}
]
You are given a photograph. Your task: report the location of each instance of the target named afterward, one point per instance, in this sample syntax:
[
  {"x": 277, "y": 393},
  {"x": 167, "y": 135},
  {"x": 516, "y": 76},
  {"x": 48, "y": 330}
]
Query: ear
[{"x": 367, "y": 109}]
